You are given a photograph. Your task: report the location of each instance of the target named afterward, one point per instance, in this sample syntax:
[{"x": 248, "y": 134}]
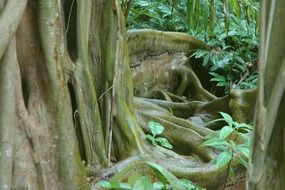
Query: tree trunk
[
  {"x": 56, "y": 57},
  {"x": 39, "y": 149},
  {"x": 267, "y": 169}
]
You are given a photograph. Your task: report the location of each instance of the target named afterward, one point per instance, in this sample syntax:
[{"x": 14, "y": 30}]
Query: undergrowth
[{"x": 229, "y": 27}]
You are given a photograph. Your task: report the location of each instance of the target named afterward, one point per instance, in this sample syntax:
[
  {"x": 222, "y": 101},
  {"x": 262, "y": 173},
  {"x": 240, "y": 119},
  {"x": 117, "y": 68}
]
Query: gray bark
[{"x": 267, "y": 169}]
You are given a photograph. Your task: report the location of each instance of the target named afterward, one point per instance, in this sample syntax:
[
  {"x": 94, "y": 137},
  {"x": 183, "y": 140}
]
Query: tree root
[
  {"x": 185, "y": 109},
  {"x": 207, "y": 175}
]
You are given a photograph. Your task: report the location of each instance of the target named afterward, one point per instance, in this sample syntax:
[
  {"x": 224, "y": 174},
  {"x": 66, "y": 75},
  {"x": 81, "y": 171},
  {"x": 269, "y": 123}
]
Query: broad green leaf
[
  {"x": 114, "y": 185},
  {"x": 218, "y": 79},
  {"x": 164, "y": 142},
  {"x": 124, "y": 186},
  {"x": 244, "y": 150},
  {"x": 188, "y": 184},
  {"x": 227, "y": 118},
  {"x": 157, "y": 172},
  {"x": 243, "y": 162},
  {"x": 215, "y": 142},
  {"x": 235, "y": 124},
  {"x": 155, "y": 128},
  {"x": 199, "y": 53},
  {"x": 166, "y": 176},
  {"x": 158, "y": 186},
  {"x": 133, "y": 178},
  {"x": 222, "y": 84},
  {"x": 206, "y": 60},
  {"x": 225, "y": 132},
  {"x": 222, "y": 63},
  {"x": 223, "y": 158},
  {"x": 216, "y": 74},
  {"x": 142, "y": 183},
  {"x": 105, "y": 184},
  {"x": 244, "y": 127}
]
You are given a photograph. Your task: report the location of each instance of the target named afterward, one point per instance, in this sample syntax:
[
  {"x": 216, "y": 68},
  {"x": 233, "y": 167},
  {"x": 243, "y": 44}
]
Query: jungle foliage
[{"x": 229, "y": 27}]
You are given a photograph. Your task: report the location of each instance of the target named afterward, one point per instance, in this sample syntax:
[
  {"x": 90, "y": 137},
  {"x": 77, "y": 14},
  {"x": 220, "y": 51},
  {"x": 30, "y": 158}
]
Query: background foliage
[{"x": 229, "y": 27}]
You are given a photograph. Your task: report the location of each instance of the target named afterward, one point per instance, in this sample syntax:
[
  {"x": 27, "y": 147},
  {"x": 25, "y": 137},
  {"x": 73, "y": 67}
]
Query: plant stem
[{"x": 228, "y": 170}]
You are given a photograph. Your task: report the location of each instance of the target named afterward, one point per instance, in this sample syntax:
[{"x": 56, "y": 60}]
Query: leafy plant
[
  {"x": 234, "y": 41},
  {"x": 232, "y": 59},
  {"x": 113, "y": 185},
  {"x": 165, "y": 15},
  {"x": 204, "y": 15},
  {"x": 167, "y": 182},
  {"x": 230, "y": 27},
  {"x": 157, "y": 129},
  {"x": 174, "y": 183},
  {"x": 226, "y": 141}
]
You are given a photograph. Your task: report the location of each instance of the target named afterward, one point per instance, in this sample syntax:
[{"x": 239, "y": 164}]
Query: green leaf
[
  {"x": 222, "y": 84},
  {"x": 227, "y": 118},
  {"x": 133, "y": 178},
  {"x": 188, "y": 184},
  {"x": 218, "y": 79},
  {"x": 244, "y": 150},
  {"x": 243, "y": 162},
  {"x": 114, "y": 185},
  {"x": 215, "y": 142},
  {"x": 243, "y": 127},
  {"x": 225, "y": 132},
  {"x": 164, "y": 142},
  {"x": 206, "y": 60},
  {"x": 142, "y": 183},
  {"x": 223, "y": 158},
  {"x": 155, "y": 128},
  {"x": 166, "y": 176},
  {"x": 215, "y": 74},
  {"x": 222, "y": 63},
  {"x": 124, "y": 186},
  {"x": 105, "y": 184},
  {"x": 200, "y": 53},
  {"x": 158, "y": 186}
]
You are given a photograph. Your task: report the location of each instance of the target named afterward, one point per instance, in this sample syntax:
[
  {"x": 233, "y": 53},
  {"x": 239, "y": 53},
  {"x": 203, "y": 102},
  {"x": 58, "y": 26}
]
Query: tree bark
[
  {"x": 267, "y": 169},
  {"x": 36, "y": 116}
]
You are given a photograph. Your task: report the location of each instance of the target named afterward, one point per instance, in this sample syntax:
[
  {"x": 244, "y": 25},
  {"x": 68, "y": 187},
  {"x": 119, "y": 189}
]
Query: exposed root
[
  {"x": 207, "y": 175},
  {"x": 171, "y": 94}
]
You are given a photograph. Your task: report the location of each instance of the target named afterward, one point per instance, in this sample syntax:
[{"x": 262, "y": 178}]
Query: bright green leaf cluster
[
  {"x": 157, "y": 129},
  {"x": 223, "y": 141}
]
